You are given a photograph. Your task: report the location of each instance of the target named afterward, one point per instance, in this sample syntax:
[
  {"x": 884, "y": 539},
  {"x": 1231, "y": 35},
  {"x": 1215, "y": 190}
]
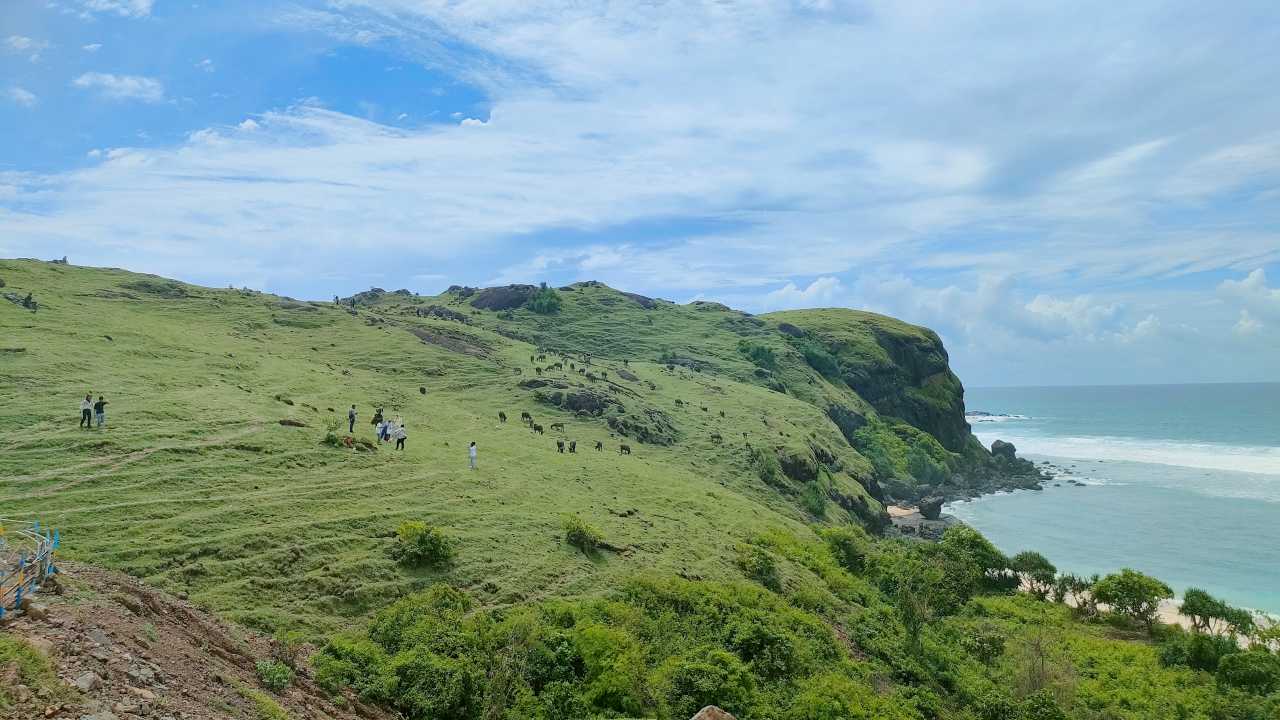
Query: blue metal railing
[{"x": 26, "y": 549}]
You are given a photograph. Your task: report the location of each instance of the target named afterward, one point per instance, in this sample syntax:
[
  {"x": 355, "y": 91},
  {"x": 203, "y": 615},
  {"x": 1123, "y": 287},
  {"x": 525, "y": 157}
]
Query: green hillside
[{"x": 729, "y": 564}]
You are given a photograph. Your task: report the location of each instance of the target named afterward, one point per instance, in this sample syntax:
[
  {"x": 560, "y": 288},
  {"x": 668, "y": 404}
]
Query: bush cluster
[
  {"x": 418, "y": 544},
  {"x": 545, "y": 301},
  {"x": 274, "y": 676},
  {"x": 580, "y": 534}
]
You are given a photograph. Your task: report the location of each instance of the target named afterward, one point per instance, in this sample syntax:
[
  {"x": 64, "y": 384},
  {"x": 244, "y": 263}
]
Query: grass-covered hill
[{"x": 722, "y": 559}]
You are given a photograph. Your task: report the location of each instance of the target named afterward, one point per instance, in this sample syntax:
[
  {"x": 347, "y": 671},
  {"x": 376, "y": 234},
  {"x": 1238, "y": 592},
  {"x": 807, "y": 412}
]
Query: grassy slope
[{"x": 195, "y": 486}]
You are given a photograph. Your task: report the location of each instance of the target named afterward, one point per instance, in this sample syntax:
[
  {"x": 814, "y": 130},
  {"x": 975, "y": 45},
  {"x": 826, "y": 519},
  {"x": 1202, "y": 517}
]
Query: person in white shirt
[
  {"x": 86, "y": 412},
  {"x": 399, "y": 434},
  {"x": 472, "y": 451}
]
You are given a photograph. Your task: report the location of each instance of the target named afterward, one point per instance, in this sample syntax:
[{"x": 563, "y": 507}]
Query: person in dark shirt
[{"x": 100, "y": 411}]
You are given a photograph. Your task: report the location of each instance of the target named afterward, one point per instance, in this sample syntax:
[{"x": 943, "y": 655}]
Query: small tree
[
  {"x": 578, "y": 533},
  {"x": 419, "y": 544},
  {"x": 1133, "y": 594},
  {"x": 545, "y": 301},
  {"x": 1035, "y": 571},
  {"x": 1211, "y": 615}
]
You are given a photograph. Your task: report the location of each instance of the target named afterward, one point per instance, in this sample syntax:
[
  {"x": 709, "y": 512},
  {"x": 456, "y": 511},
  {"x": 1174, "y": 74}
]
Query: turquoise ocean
[{"x": 1180, "y": 481}]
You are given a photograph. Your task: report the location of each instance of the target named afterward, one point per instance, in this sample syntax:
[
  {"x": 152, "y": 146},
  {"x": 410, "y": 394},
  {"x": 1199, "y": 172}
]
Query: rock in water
[
  {"x": 1003, "y": 449},
  {"x": 931, "y": 508},
  {"x": 711, "y": 712}
]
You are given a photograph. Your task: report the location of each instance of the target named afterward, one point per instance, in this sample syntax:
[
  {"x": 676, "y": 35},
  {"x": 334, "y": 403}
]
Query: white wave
[
  {"x": 993, "y": 418},
  {"x": 1262, "y": 460}
]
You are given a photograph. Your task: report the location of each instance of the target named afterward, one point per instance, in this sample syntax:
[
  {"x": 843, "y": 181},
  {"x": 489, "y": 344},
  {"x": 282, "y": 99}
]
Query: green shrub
[
  {"x": 1195, "y": 650},
  {"x": 819, "y": 359},
  {"x": 286, "y": 647},
  {"x": 1255, "y": 671},
  {"x": 1041, "y": 705},
  {"x": 814, "y": 500},
  {"x": 704, "y": 676},
  {"x": 274, "y": 676},
  {"x": 581, "y": 535},
  {"x": 418, "y": 544},
  {"x": 1132, "y": 595},
  {"x": 765, "y": 461},
  {"x": 429, "y": 685},
  {"x": 331, "y": 425},
  {"x": 836, "y": 695},
  {"x": 760, "y": 565},
  {"x": 850, "y": 545},
  {"x": 357, "y": 663},
  {"x": 760, "y": 355},
  {"x": 546, "y": 301}
]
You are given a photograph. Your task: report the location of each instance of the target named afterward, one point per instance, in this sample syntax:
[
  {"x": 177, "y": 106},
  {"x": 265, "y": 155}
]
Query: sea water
[{"x": 1179, "y": 481}]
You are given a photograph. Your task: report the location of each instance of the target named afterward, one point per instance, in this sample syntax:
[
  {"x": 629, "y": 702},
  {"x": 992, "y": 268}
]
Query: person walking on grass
[
  {"x": 100, "y": 411},
  {"x": 351, "y": 420},
  {"x": 400, "y": 436},
  {"x": 472, "y": 451},
  {"x": 86, "y": 412},
  {"x": 380, "y": 429}
]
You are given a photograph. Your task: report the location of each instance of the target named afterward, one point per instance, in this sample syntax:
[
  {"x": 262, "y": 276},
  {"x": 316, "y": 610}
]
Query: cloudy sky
[{"x": 1074, "y": 192}]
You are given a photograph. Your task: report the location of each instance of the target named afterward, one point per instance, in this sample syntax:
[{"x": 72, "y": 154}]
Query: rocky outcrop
[
  {"x": 508, "y": 297},
  {"x": 711, "y": 712},
  {"x": 1002, "y": 449},
  {"x": 931, "y": 508},
  {"x": 647, "y": 303}
]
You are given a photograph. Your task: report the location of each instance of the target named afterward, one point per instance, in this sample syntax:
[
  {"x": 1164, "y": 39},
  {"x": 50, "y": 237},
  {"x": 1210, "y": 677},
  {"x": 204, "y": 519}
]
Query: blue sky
[{"x": 1083, "y": 192}]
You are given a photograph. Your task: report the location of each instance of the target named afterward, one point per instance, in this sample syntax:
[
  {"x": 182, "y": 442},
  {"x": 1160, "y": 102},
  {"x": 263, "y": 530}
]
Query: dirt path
[{"x": 131, "y": 651}]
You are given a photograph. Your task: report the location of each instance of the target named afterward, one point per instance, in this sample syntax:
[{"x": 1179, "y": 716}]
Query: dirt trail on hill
[{"x": 131, "y": 651}]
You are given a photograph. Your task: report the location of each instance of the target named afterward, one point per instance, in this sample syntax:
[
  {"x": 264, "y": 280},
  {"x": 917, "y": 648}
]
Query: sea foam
[{"x": 1259, "y": 460}]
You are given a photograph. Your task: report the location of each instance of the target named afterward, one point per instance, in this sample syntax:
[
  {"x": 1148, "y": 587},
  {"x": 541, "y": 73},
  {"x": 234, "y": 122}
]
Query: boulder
[
  {"x": 87, "y": 681},
  {"x": 789, "y": 329},
  {"x": 931, "y": 508},
  {"x": 509, "y": 297},
  {"x": 1003, "y": 449},
  {"x": 711, "y": 712}
]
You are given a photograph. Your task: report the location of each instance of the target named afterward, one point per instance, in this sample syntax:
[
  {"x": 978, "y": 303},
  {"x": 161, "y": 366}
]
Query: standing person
[
  {"x": 472, "y": 451},
  {"x": 377, "y": 417},
  {"x": 380, "y": 429},
  {"x": 86, "y": 412},
  {"x": 351, "y": 420},
  {"x": 100, "y": 411},
  {"x": 400, "y": 436}
]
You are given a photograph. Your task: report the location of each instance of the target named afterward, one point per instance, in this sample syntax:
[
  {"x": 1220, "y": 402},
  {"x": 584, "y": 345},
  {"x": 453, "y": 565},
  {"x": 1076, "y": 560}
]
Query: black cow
[
  {"x": 537, "y": 429},
  {"x": 624, "y": 449},
  {"x": 573, "y": 446},
  {"x": 560, "y": 445},
  {"x": 599, "y": 446},
  {"x": 502, "y": 417},
  {"x": 526, "y": 417},
  {"x": 557, "y": 426}
]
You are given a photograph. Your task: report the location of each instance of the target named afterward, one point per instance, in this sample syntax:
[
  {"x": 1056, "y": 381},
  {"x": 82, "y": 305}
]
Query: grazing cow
[
  {"x": 599, "y": 446},
  {"x": 679, "y": 402},
  {"x": 625, "y": 363},
  {"x": 537, "y": 429},
  {"x": 557, "y": 426},
  {"x": 538, "y": 370},
  {"x": 526, "y": 417},
  {"x": 716, "y": 437},
  {"x": 604, "y": 376},
  {"x": 573, "y": 446},
  {"x": 502, "y": 417},
  {"x": 560, "y": 446},
  {"x": 519, "y": 371},
  {"x": 591, "y": 377},
  {"x": 624, "y": 449},
  {"x": 531, "y": 360},
  {"x": 721, "y": 413},
  {"x": 704, "y": 408}
]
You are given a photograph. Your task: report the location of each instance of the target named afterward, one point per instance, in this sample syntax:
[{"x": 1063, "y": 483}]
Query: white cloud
[
  {"x": 1255, "y": 295},
  {"x": 819, "y": 293},
  {"x": 472, "y": 122},
  {"x": 123, "y": 8},
  {"x": 206, "y": 65},
  {"x": 122, "y": 87},
  {"x": 91, "y": 47},
  {"x": 249, "y": 125},
  {"x": 21, "y": 43},
  {"x": 22, "y": 96},
  {"x": 1247, "y": 324}
]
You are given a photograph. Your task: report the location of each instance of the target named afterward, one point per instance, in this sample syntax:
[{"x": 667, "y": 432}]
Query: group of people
[
  {"x": 91, "y": 411},
  {"x": 393, "y": 429}
]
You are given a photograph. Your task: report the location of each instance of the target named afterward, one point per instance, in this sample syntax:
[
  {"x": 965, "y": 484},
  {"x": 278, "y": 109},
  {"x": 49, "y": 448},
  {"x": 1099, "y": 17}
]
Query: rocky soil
[{"x": 126, "y": 651}]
